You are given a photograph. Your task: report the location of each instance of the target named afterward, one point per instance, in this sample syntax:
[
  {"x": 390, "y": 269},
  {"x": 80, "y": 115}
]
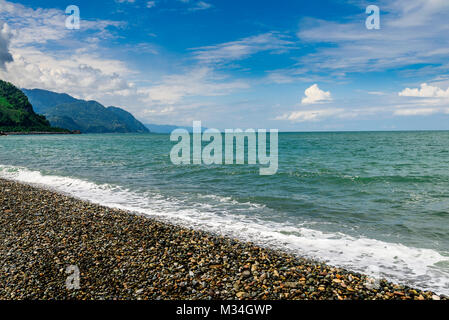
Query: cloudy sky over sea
[{"x": 291, "y": 65}]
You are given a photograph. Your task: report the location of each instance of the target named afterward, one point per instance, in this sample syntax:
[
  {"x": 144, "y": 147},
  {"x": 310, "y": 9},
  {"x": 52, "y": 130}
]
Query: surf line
[{"x": 212, "y": 152}]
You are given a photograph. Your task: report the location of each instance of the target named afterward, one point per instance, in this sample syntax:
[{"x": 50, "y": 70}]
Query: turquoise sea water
[{"x": 373, "y": 202}]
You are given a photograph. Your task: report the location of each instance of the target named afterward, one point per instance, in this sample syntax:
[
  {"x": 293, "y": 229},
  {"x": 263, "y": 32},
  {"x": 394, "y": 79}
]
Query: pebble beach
[{"x": 122, "y": 256}]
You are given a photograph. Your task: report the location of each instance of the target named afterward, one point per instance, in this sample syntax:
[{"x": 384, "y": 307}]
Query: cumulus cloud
[
  {"x": 425, "y": 91},
  {"x": 48, "y": 56},
  {"x": 5, "y": 38},
  {"x": 31, "y": 34},
  {"x": 423, "y": 101},
  {"x": 315, "y": 95},
  {"x": 81, "y": 74}
]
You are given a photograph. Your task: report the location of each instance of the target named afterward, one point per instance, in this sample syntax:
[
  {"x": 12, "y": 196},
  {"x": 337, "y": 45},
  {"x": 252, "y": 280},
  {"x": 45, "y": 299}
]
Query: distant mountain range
[
  {"x": 161, "y": 128},
  {"x": 17, "y": 114},
  {"x": 65, "y": 111},
  {"x": 40, "y": 110}
]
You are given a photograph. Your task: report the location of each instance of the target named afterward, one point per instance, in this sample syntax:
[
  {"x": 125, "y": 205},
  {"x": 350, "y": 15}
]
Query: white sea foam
[{"x": 416, "y": 267}]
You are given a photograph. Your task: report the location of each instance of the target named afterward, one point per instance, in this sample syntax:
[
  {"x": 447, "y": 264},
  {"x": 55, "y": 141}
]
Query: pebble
[{"x": 121, "y": 255}]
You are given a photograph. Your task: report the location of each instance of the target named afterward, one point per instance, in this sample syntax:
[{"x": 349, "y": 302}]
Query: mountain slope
[
  {"x": 42, "y": 100},
  {"x": 86, "y": 116},
  {"x": 128, "y": 119},
  {"x": 17, "y": 114}
]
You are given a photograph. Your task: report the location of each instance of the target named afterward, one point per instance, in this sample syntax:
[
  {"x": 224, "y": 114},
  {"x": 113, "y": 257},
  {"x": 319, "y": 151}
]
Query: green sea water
[{"x": 374, "y": 202}]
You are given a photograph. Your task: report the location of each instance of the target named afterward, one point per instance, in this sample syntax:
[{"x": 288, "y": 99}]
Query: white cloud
[
  {"x": 412, "y": 32},
  {"x": 423, "y": 101},
  {"x": 412, "y": 13},
  {"x": 75, "y": 70},
  {"x": 41, "y": 26},
  {"x": 81, "y": 74},
  {"x": 376, "y": 93},
  {"x": 336, "y": 113},
  {"x": 315, "y": 95},
  {"x": 418, "y": 111},
  {"x": 425, "y": 91},
  {"x": 197, "y": 5},
  {"x": 240, "y": 49},
  {"x": 197, "y": 82},
  {"x": 201, "y": 5},
  {"x": 279, "y": 78},
  {"x": 310, "y": 115},
  {"x": 48, "y": 56},
  {"x": 151, "y": 4},
  {"x": 5, "y": 39}
]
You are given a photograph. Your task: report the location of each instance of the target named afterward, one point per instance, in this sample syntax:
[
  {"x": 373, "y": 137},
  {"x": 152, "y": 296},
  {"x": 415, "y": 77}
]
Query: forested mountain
[{"x": 17, "y": 114}]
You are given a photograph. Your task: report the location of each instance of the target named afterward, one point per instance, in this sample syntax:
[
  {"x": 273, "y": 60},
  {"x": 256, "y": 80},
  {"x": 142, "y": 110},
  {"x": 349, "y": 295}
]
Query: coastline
[
  {"x": 121, "y": 255},
  {"x": 35, "y": 133}
]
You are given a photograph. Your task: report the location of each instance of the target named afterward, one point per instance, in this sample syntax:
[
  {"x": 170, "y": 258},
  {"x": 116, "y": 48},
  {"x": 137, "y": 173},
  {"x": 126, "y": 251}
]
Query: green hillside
[{"x": 17, "y": 114}]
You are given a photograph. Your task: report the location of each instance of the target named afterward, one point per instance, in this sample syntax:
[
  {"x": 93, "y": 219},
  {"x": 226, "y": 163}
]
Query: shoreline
[
  {"x": 34, "y": 133},
  {"x": 122, "y": 255}
]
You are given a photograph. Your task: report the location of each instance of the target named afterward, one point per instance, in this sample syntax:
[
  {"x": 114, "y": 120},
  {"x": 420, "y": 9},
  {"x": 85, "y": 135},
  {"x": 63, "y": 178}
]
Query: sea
[{"x": 371, "y": 202}]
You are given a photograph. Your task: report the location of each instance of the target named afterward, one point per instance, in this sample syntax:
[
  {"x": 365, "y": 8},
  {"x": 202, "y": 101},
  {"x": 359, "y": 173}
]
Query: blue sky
[{"x": 290, "y": 65}]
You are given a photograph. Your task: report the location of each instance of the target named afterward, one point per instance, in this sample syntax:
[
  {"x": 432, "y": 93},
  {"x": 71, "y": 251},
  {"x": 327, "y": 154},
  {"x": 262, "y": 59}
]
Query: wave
[{"x": 418, "y": 267}]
